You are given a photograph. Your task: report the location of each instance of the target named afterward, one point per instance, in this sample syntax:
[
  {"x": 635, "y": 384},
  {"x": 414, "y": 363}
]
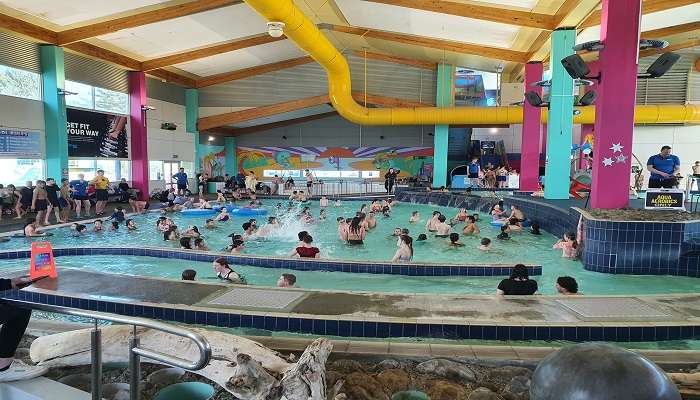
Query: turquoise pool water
[{"x": 590, "y": 282}]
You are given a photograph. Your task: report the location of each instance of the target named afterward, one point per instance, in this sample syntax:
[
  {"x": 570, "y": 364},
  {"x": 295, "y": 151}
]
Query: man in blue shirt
[
  {"x": 181, "y": 181},
  {"x": 663, "y": 167},
  {"x": 79, "y": 190},
  {"x": 474, "y": 169}
]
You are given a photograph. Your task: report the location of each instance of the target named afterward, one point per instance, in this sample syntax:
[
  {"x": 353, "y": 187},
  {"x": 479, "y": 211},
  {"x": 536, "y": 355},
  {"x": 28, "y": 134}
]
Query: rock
[
  {"x": 503, "y": 375},
  {"x": 362, "y": 386},
  {"x": 483, "y": 393},
  {"x": 394, "y": 380},
  {"x": 410, "y": 395},
  {"x": 446, "y": 390},
  {"x": 387, "y": 364},
  {"x": 447, "y": 369},
  {"x": 517, "y": 389}
]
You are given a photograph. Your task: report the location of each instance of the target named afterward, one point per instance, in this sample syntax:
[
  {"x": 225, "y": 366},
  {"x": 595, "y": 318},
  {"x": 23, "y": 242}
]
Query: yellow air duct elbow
[{"x": 304, "y": 33}]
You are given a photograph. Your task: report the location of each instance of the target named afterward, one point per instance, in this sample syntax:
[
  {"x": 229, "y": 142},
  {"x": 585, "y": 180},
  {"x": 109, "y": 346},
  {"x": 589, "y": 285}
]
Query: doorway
[{"x": 170, "y": 168}]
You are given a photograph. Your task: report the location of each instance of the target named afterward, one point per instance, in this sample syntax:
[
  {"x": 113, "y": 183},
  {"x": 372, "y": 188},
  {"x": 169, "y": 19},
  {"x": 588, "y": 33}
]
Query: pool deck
[{"x": 375, "y": 315}]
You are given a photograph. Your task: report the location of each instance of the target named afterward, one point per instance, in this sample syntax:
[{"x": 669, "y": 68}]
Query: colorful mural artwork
[
  {"x": 213, "y": 159},
  {"x": 412, "y": 161}
]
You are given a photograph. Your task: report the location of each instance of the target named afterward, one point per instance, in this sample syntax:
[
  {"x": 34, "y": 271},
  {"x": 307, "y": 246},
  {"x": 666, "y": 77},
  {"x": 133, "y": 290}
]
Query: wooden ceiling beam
[
  {"x": 648, "y": 7},
  {"x": 208, "y": 51},
  {"x": 430, "y": 65},
  {"x": 230, "y": 118},
  {"x": 458, "y": 47},
  {"x": 149, "y": 17},
  {"x": 673, "y": 47},
  {"x": 671, "y": 30},
  {"x": 485, "y": 13},
  {"x": 248, "y": 72},
  {"x": 386, "y": 101},
  {"x": 172, "y": 77},
  {"x": 35, "y": 32},
  {"x": 226, "y": 131}
]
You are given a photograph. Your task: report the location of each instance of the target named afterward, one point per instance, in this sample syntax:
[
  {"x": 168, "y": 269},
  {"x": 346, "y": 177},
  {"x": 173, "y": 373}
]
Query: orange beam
[
  {"x": 208, "y": 51},
  {"x": 486, "y": 13},
  {"x": 144, "y": 18},
  {"x": 458, "y": 47},
  {"x": 248, "y": 72},
  {"x": 396, "y": 59}
]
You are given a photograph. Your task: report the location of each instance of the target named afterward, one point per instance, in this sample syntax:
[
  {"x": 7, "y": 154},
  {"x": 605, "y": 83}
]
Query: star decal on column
[
  {"x": 608, "y": 161},
  {"x": 621, "y": 158},
  {"x": 617, "y": 148}
]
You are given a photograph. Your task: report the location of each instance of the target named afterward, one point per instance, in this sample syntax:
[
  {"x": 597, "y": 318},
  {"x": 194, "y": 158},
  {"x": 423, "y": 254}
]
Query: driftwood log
[{"x": 245, "y": 368}]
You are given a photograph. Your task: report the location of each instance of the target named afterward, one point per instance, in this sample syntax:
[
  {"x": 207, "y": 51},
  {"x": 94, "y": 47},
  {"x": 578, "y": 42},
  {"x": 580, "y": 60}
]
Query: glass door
[{"x": 170, "y": 168}]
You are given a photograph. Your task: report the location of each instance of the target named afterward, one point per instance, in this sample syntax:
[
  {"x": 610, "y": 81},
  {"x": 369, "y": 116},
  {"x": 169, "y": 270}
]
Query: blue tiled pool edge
[
  {"x": 641, "y": 332},
  {"x": 298, "y": 264}
]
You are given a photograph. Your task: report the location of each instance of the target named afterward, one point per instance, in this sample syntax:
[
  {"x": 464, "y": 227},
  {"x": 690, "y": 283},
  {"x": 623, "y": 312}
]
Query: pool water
[
  {"x": 590, "y": 282},
  {"x": 379, "y": 245}
]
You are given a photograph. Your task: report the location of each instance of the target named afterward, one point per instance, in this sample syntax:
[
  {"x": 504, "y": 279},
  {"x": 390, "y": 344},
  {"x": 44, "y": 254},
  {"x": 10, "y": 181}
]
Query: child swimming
[
  {"x": 485, "y": 244},
  {"x": 568, "y": 246},
  {"x": 415, "y": 217},
  {"x": 454, "y": 240},
  {"x": 504, "y": 233}
]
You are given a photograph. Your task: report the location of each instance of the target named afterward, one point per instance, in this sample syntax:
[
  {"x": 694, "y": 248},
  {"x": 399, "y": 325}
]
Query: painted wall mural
[
  {"x": 412, "y": 161},
  {"x": 212, "y": 159}
]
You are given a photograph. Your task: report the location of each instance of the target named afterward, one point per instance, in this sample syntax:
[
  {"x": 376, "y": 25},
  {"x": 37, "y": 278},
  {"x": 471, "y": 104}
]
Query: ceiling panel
[
  {"x": 661, "y": 19},
  {"x": 66, "y": 12},
  {"x": 304, "y": 112},
  {"x": 192, "y": 31},
  {"x": 244, "y": 58},
  {"x": 425, "y": 23}
]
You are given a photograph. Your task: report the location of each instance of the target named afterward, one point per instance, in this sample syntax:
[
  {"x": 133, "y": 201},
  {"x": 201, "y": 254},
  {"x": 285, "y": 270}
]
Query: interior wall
[
  {"x": 336, "y": 131},
  {"x": 21, "y": 113}
]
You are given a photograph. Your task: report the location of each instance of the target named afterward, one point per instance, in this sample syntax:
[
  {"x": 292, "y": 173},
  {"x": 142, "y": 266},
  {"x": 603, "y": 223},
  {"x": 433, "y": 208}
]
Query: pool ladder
[{"x": 135, "y": 352}]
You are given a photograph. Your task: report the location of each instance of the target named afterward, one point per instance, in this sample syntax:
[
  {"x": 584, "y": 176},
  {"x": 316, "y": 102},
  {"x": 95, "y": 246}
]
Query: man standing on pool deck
[
  {"x": 181, "y": 181},
  {"x": 79, "y": 189},
  {"x": 474, "y": 169},
  {"x": 390, "y": 179},
  {"x": 309, "y": 182},
  {"x": 101, "y": 184},
  {"x": 663, "y": 167}
]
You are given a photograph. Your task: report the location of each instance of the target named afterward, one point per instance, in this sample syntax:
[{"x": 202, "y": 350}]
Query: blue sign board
[{"x": 21, "y": 144}]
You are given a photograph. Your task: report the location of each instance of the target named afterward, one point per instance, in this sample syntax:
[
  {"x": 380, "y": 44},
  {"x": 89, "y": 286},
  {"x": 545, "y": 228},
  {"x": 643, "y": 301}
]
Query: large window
[
  {"x": 96, "y": 98},
  {"x": 475, "y": 88},
  {"x": 114, "y": 169},
  {"x": 17, "y": 171},
  {"x": 20, "y": 83}
]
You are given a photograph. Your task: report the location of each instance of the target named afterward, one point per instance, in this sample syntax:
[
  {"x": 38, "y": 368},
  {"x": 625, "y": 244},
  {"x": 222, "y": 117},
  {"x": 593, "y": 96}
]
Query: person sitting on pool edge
[
  {"x": 405, "y": 251},
  {"x": 307, "y": 250},
  {"x": 442, "y": 228},
  {"x": 567, "y": 286},
  {"x": 485, "y": 244},
  {"x": 454, "y": 240},
  {"x": 225, "y": 272},
  {"x": 287, "y": 281},
  {"x": 518, "y": 284},
  {"x": 189, "y": 275}
]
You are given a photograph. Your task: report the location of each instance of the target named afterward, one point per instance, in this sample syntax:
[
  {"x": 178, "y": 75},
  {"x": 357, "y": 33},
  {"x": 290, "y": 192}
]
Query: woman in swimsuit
[
  {"x": 356, "y": 232},
  {"x": 405, "y": 251},
  {"x": 225, "y": 272},
  {"x": 40, "y": 202},
  {"x": 460, "y": 217},
  {"x": 306, "y": 250}
]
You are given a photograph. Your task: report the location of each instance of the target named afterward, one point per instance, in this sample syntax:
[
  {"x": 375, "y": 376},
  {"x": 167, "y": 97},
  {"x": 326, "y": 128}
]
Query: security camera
[
  {"x": 275, "y": 29},
  {"x": 659, "y": 67}
]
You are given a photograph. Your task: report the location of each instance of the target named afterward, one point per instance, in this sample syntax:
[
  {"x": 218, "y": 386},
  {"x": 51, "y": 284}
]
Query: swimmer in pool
[
  {"x": 301, "y": 235},
  {"x": 31, "y": 228},
  {"x": 454, "y": 240},
  {"x": 535, "y": 228},
  {"x": 220, "y": 198},
  {"x": 171, "y": 234},
  {"x": 356, "y": 232},
  {"x": 200, "y": 245},
  {"x": 497, "y": 213},
  {"x": 248, "y": 232},
  {"x": 287, "y": 281},
  {"x": 504, "y": 233},
  {"x": 130, "y": 225},
  {"x": 342, "y": 229},
  {"x": 223, "y": 215},
  {"x": 516, "y": 213},
  {"x": 397, "y": 232},
  {"x": 514, "y": 225},
  {"x": 471, "y": 228},
  {"x": 97, "y": 226},
  {"x": 191, "y": 231},
  {"x": 323, "y": 203},
  {"x": 442, "y": 229},
  {"x": 375, "y": 206},
  {"x": 322, "y": 215},
  {"x": 186, "y": 243},
  {"x": 432, "y": 222},
  {"x": 371, "y": 220},
  {"x": 422, "y": 238},
  {"x": 210, "y": 224},
  {"x": 415, "y": 217},
  {"x": 224, "y": 271},
  {"x": 337, "y": 203},
  {"x": 485, "y": 244},
  {"x": 237, "y": 247},
  {"x": 460, "y": 217},
  {"x": 405, "y": 251},
  {"x": 568, "y": 246},
  {"x": 386, "y": 211}
]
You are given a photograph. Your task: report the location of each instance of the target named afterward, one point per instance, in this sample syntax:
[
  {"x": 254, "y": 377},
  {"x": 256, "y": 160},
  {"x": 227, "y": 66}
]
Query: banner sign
[
  {"x": 20, "y": 144},
  {"x": 668, "y": 199},
  {"x": 96, "y": 135}
]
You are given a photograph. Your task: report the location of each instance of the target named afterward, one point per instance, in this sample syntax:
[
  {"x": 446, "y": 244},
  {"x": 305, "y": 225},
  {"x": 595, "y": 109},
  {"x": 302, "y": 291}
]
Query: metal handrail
[{"x": 135, "y": 352}]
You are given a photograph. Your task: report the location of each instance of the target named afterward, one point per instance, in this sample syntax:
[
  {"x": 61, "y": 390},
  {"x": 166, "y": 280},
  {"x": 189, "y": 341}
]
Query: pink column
[
  {"x": 139, "y": 138},
  {"x": 588, "y": 128},
  {"x": 530, "y": 148},
  {"x": 614, "y": 122}
]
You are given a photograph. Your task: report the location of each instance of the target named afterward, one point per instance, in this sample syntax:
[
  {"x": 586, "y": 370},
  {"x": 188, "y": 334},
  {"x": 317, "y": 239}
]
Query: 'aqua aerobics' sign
[{"x": 665, "y": 199}]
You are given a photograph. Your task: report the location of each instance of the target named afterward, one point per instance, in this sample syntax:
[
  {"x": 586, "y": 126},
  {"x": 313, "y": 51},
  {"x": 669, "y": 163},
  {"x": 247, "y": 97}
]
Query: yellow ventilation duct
[{"x": 309, "y": 38}]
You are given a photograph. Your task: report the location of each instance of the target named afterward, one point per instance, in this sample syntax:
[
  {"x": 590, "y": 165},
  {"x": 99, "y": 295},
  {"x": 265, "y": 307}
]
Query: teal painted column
[
  {"x": 191, "y": 117},
  {"x": 560, "y": 119},
  {"x": 55, "y": 125},
  {"x": 230, "y": 167},
  {"x": 444, "y": 98}
]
